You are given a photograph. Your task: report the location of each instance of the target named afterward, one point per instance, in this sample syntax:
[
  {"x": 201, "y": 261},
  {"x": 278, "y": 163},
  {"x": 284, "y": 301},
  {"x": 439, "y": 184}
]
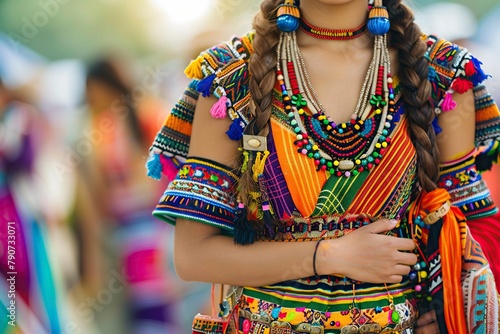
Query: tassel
[
  {"x": 154, "y": 166},
  {"x": 489, "y": 156},
  {"x": 447, "y": 103},
  {"x": 470, "y": 70},
  {"x": 205, "y": 84},
  {"x": 244, "y": 232},
  {"x": 219, "y": 109},
  {"x": 169, "y": 168},
  {"x": 480, "y": 75},
  {"x": 461, "y": 85},
  {"x": 236, "y": 128},
  {"x": 266, "y": 208},
  {"x": 432, "y": 73},
  {"x": 193, "y": 70},
  {"x": 435, "y": 125}
]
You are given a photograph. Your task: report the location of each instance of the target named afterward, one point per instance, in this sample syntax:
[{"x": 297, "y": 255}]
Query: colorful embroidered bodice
[{"x": 312, "y": 204}]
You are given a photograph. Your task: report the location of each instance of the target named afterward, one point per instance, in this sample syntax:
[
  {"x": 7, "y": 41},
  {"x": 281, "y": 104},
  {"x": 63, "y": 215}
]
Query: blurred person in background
[
  {"x": 266, "y": 163},
  {"x": 29, "y": 296},
  {"x": 112, "y": 211}
]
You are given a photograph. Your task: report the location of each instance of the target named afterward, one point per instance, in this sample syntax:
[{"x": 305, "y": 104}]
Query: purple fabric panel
[{"x": 277, "y": 189}]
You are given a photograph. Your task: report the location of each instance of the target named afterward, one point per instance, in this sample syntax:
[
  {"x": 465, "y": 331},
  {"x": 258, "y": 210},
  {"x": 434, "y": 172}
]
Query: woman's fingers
[{"x": 426, "y": 318}]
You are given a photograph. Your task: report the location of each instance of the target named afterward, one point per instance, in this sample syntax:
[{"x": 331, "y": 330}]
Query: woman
[{"x": 351, "y": 174}]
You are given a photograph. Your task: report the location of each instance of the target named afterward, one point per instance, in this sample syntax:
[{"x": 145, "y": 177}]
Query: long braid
[
  {"x": 405, "y": 36},
  {"x": 262, "y": 67}
]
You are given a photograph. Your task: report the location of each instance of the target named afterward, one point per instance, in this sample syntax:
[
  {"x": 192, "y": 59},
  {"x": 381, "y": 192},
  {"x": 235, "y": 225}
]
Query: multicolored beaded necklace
[{"x": 349, "y": 148}]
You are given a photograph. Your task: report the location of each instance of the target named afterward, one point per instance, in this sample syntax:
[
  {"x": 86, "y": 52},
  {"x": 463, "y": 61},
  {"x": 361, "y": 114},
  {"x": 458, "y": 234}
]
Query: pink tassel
[
  {"x": 448, "y": 104},
  {"x": 461, "y": 85},
  {"x": 219, "y": 109},
  {"x": 168, "y": 167}
]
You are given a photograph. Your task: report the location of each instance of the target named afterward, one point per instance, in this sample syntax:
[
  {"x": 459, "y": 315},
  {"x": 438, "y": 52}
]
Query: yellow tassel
[
  {"x": 258, "y": 165},
  {"x": 193, "y": 70}
]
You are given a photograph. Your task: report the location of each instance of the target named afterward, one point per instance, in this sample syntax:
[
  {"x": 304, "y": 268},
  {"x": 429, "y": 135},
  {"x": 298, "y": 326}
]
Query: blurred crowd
[{"x": 75, "y": 202}]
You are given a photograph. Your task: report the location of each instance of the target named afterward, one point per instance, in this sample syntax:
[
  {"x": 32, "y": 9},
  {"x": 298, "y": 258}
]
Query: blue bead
[
  {"x": 413, "y": 275},
  {"x": 287, "y": 23},
  {"x": 379, "y": 25}
]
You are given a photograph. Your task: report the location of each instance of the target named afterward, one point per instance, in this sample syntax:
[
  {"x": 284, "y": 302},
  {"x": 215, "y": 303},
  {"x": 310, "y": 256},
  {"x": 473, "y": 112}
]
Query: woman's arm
[
  {"x": 201, "y": 253},
  {"x": 458, "y": 125}
]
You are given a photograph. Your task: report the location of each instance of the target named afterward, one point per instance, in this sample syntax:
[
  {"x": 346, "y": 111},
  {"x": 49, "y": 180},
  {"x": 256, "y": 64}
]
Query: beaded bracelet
[{"x": 314, "y": 257}]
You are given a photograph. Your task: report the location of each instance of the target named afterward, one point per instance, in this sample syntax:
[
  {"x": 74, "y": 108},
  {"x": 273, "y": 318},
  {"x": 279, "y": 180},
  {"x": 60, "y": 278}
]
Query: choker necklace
[
  {"x": 349, "y": 148},
  {"x": 332, "y": 34}
]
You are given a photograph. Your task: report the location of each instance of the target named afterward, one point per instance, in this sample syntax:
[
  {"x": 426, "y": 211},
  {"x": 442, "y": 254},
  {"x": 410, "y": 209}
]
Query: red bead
[
  {"x": 388, "y": 139},
  {"x": 339, "y": 173},
  {"x": 377, "y": 161},
  {"x": 316, "y": 162},
  {"x": 300, "y": 144},
  {"x": 370, "y": 166},
  {"x": 305, "y": 141},
  {"x": 305, "y": 135},
  {"x": 323, "y": 167},
  {"x": 360, "y": 169},
  {"x": 382, "y": 150}
]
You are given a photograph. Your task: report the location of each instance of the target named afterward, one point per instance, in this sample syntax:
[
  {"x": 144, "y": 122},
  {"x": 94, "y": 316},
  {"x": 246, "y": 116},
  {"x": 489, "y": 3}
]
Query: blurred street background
[{"x": 84, "y": 87}]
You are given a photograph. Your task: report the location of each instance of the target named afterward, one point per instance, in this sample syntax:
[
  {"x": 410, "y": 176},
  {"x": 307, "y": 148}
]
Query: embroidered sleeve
[
  {"x": 453, "y": 69},
  {"x": 202, "y": 191},
  {"x": 466, "y": 187},
  {"x": 220, "y": 71}
]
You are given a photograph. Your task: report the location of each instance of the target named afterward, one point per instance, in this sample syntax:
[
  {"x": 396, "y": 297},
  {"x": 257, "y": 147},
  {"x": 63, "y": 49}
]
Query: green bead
[
  {"x": 329, "y": 164},
  {"x": 355, "y": 172},
  {"x": 326, "y": 122},
  {"x": 310, "y": 155},
  {"x": 214, "y": 178},
  {"x": 375, "y": 154},
  {"x": 332, "y": 171},
  {"x": 395, "y": 316}
]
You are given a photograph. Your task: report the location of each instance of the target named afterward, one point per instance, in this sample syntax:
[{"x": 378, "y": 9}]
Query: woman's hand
[
  {"x": 427, "y": 324},
  {"x": 368, "y": 255}
]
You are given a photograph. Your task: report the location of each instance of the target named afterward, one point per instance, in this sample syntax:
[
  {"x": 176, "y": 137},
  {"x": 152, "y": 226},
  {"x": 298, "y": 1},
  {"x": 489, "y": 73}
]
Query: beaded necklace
[
  {"x": 332, "y": 34},
  {"x": 348, "y": 148}
]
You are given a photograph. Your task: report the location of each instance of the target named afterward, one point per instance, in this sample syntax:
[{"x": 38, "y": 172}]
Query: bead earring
[
  {"x": 288, "y": 15},
  {"x": 378, "y": 18}
]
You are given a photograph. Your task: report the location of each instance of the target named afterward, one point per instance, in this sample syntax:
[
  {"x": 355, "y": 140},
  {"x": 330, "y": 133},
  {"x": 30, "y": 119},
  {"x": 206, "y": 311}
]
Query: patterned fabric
[
  {"x": 467, "y": 189},
  {"x": 309, "y": 205},
  {"x": 454, "y": 69},
  {"x": 203, "y": 191}
]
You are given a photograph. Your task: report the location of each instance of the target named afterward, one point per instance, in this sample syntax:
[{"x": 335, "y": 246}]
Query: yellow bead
[
  {"x": 378, "y": 111},
  {"x": 315, "y": 147},
  {"x": 321, "y": 117},
  {"x": 384, "y": 144},
  {"x": 423, "y": 274},
  {"x": 335, "y": 163},
  {"x": 344, "y": 125},
  {"x": 358, "y": 162},
  {"x": 328, "y": 128},
  {"x": 357, "y": 127},
  {"x": 377, "y": 145},
  {"x": 301, "y": 111}
]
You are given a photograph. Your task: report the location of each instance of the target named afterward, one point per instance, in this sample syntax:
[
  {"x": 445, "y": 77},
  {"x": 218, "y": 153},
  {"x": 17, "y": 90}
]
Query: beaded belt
[
  {"x": 318, "y": 227},
  {"x": 263, "y": 324}
]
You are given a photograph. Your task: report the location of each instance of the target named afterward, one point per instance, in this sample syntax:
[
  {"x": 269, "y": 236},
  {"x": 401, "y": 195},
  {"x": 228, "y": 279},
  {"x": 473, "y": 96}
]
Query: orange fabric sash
[{"x": 451, "y": 248}]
